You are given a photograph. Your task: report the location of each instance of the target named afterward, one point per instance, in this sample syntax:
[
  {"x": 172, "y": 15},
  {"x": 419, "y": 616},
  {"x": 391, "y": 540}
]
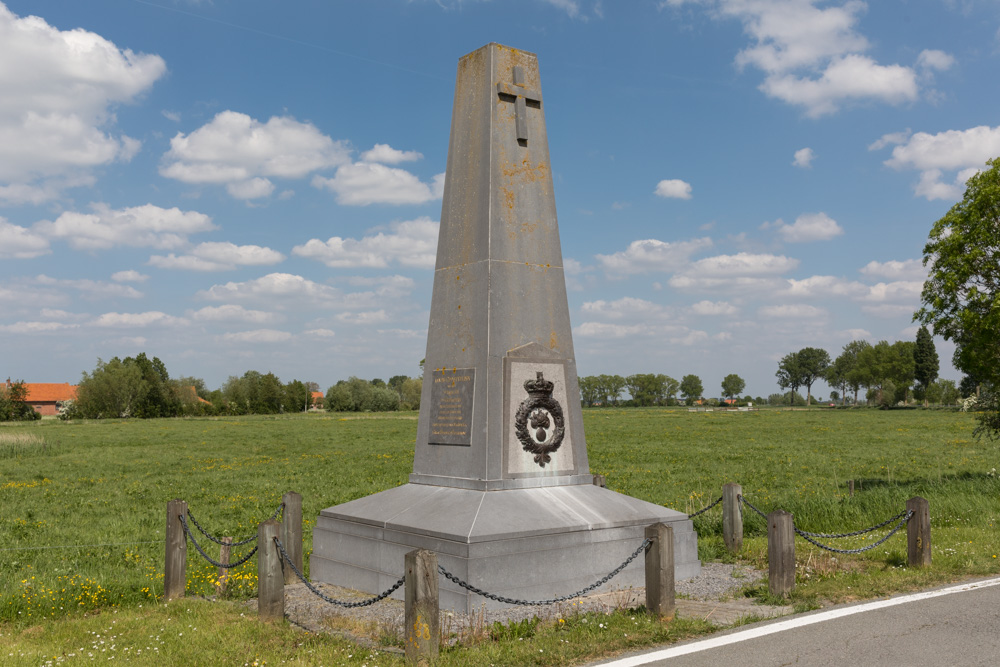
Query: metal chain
[
  {"x": 204, "y": 555},
  {"x": 341, "y": 603},
  {"x": 705, "y": 509},
  {"x": 746, "y": 502},
  {"x": 234, "y": 544},
  {"x": 856, "y": 532},
  {"x": 530, "y": 603},
  {"x": 902, "y": 522}
]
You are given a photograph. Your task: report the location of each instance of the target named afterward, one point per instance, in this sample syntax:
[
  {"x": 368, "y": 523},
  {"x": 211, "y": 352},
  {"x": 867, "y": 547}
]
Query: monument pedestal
[
  {"x": 534, "y": 543},
  {"x": 501, "y": 487}
]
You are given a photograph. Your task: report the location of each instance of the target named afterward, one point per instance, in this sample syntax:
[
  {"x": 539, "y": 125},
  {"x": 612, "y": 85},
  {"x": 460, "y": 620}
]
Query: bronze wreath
[{"x": 540, "y": 450}]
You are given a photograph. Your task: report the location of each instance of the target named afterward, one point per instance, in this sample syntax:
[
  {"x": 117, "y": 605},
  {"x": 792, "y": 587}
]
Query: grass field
[{"x": 81, "y": 532}]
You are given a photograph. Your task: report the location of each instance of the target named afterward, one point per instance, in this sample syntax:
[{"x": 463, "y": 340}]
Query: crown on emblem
[{"x": 539, "y": 386}]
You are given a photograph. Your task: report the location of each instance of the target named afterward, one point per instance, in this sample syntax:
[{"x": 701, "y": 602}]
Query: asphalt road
[{"x": 956, "y": 625}]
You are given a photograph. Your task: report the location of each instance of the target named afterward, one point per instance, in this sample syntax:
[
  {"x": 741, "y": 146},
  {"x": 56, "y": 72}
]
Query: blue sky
[{"x": 256, "y": 185}]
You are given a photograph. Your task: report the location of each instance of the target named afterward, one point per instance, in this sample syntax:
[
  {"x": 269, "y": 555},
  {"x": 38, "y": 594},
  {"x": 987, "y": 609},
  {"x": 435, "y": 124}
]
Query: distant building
[
  {"x": 317, "y": 398},
  {"x": 45, "y": 397}
]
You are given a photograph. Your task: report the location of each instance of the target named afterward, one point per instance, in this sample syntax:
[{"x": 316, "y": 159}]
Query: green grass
[{"x": 83, "y": 518}]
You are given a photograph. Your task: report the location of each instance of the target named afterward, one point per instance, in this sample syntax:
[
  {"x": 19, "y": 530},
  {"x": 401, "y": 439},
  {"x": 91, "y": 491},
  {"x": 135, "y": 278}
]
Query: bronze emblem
[{"x": 543, "y": 414}]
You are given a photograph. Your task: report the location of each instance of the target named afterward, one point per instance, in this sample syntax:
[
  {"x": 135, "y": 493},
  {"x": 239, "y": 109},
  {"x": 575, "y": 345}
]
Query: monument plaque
[
  {"x": 451, "y": 406},
  {"x": 512, "y": 509}
]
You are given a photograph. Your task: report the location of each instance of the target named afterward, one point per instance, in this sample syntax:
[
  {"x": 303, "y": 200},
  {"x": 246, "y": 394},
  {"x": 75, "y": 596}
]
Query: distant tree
[
  {"x": 732, "y": 385},
  {"x": 789, "y": 374},
  {"x": 14, "y": 404},
  {"x": 925, "y": 360},
  {"x": 885, "y": 364},
  {"x": 378, "y": 382},
  {"x": 298, "y": 398},
  {"x": 834, "y": 396},
  {"x": 646, "y": 388},
  {"x": 611, "y": 387},
  {"x": 312, "y": 386},
  {"x": 841, "y": 373},
  {"x": 339, "y": 399},
  {"x": 114, "y": 390},
  {"x": 691, "y": 388},
  {"x": 589, "y": 390},
  {"x": 812, "y": 364},
  {"x": 410, "y": 394},
  {"x": 396, "y": 382},
  {"x": 949, "y": 392}
]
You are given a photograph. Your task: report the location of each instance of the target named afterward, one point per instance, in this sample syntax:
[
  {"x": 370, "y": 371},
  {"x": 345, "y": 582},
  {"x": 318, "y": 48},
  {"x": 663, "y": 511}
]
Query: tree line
[{"x": 14, "y": 402}]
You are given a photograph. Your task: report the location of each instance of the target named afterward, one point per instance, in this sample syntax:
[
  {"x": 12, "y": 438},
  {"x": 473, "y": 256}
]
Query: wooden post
[
  {"x": 224, "y": 554},
  {"x": 780, "y": 553},
  {"x": 660, "y": 570},
  {"x": 422, "y": 614},
  {"x": 270, "y": 581},
  {"x": 918, "y": 533},
  {"x": 601, "y": 481},
  {"x": 175, "y": 565},
  {"x": 850, "y": 487},
  {"x": 732, "y": 517},
  {"x": 291, "y": 534}
]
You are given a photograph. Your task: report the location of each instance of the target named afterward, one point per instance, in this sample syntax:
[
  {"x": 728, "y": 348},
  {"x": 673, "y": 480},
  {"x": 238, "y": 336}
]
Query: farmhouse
[
  {"x": 44, "y": 397},
  {"x": 317, "y": 400}
]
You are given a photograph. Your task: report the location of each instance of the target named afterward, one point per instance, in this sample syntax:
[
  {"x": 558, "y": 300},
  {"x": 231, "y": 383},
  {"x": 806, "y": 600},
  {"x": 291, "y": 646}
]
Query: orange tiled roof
[
  {"x": 317, "y": 394},
  {"x": 50, "y": 391}
]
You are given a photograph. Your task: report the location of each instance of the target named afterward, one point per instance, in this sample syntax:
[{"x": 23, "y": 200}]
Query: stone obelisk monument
[{"x": 501, "y": 488}]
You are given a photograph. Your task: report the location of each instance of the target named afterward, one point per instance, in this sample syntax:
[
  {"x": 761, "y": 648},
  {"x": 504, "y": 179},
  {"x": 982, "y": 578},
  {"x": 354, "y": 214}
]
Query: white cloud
[
  {"x": 232, "y": 313},
  {"x": 738, "y": 273},
  {"x": 364, "y": 183},
  {"x": 743, "y": 264},
  {"x": 320, "y": 333},
  {"x": 19, "y": 243},
  {"x": 386, "y": 154},
  {"x": 960, "y": 151},
  {"x": 803, "y": 158},
  {"x": 129, "y": 276},
  {"x": 908, "y": 269},
  {"x": 824, "y": 286},
  {"x": 626, "y": 307},
  {"x": 809, "y": 227},
  {"x": 891, "y": 139},
  {"x": 215, "y": 256},
  {"x": 254, "y": 188},
  {"x": 138, "y": 320},
  {"x": 59, "y": 91},
  {"x": 851, "y": 77},
  {"x": 665, "y": 333},
  {"x": 792, "y": 40},
  {"x": 905, "y": 291},
  {"x": 409, "y": 243},
  {"x": 138, "y": 226},
  {"x": 369, "y": 317},
  {"x": 799, "y": 311},
  {"x": 571, "y": 7},
  {"x": 92, "y": 289},
  {"x": 889, "y": 311},
  {"x": 277, "y": 287},
  {"x": 256, "y": 336},
  {"x": 652, "y": 255},
  {"x": 241, "y": 152},
  {"x": 714, "y": 308},
  {"x": 673, "y": 188},
  {"x": 36, "y": 327},
  {"x": 388, "y": 286},
  {"x": 934, "y": 59}
]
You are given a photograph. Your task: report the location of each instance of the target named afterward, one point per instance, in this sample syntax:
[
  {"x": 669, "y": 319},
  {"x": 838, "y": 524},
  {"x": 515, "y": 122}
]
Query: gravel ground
[{"x": 716, "y": 582}]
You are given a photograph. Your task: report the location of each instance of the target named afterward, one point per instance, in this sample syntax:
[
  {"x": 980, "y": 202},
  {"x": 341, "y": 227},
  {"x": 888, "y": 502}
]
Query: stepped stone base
[{"x": 534, "y": 543}]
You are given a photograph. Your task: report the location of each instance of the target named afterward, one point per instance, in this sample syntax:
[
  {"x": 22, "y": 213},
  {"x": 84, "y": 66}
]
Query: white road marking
[{"x": 797, "y": 622}]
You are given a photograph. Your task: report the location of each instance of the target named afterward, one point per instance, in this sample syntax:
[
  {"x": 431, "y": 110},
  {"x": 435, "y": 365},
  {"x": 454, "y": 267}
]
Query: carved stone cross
[{"x": 520, "y": 95}]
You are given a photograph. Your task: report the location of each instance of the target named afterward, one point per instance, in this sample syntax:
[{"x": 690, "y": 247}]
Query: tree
[
  {"x": 925, "y": 361},
  {"x": 789, "y": 374},
  {"x": 297, "y": 396},
  {"x": 888, "y": 364},
  {"x": 647, "y": 388},
  {"x": 611, "y": 387},
  {"x": 589, "y": 390},
  {"x": 812, "y": 363},
  {"x": 732, "y": 384},
  {"x": 14, "y": 402},
  {"x": 410, "y": 393},
  {"x": 961, "y": 296},
  {"x": 114, "y": 390},
  {"x": 691, "y": 388}
]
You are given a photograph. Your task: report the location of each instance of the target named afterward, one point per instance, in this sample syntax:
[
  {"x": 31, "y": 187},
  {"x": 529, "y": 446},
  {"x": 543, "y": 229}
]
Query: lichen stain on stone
[{"x": 553, "y": 340}]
